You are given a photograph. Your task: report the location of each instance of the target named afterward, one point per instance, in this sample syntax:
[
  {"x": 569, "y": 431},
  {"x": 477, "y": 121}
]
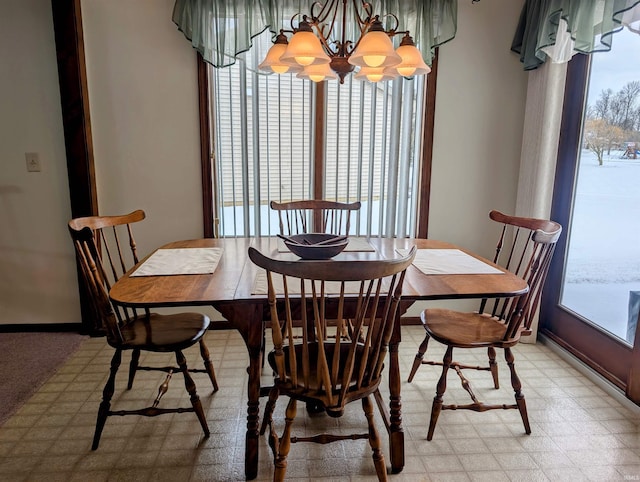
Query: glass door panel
[{"x": 601, "y": 282}]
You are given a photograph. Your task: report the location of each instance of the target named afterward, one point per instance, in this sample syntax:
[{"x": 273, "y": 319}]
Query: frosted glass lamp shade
[
  {"x": 375, "y": 50},
  {"x": 272, "y": 62},
  {"x": 374, "y": 74},
  {"x": 412, "y": 62},
  {"x": 305, "y": 49},
  {"x": 317, "y": 73}
]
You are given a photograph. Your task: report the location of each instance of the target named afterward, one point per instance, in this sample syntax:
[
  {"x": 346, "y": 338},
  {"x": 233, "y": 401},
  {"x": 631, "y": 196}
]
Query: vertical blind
[{"x": 264, "y": 135}]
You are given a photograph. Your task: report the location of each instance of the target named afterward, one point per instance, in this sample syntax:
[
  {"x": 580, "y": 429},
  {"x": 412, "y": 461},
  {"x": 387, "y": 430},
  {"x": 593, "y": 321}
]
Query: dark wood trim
[
  {"x": 319, "y": 137},
  {"x": 78, "y": 327},
  {"x": 595, "y": 365},
  {"x": 42, "y": 328},
  {"x": 611, "y": 358},
  {"x": 568, "y": 144},
  {"x": 428, "y": 124},
  {"x": 633, "y": 383},
  {"x": 76, "y": 120},
  {"x": 206, "y": 149},
  {"x": 319, "y": 151},
  {"x": 74, "y": 97},
  {"x": 410, "y": 321}
]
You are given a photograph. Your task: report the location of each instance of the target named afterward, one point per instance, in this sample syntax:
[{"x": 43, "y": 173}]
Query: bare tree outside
[
  {"x": 599, "y": 136},
  {"x": 613, "y": 122}
]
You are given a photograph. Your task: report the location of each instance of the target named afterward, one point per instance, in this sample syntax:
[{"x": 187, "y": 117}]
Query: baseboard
[
  {"x": 590, "y": 373},
  {"x": 42, "y": 327},
  {"x": 78, "y": 328}
]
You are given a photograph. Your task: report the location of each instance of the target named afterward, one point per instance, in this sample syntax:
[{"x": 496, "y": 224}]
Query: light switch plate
[{"x": 33, "y": 161}]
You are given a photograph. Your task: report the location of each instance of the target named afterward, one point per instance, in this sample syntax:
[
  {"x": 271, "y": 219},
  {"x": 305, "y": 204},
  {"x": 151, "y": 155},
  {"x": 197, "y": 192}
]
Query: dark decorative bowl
[{"x": 306, "y": 245}]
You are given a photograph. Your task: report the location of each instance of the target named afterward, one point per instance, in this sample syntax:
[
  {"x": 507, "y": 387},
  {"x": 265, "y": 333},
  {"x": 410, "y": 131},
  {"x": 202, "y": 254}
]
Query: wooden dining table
[{"x": 230, "y": 289}]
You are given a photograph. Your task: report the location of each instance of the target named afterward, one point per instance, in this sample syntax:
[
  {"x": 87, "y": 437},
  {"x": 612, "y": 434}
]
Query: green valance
[
  {"x": 558, "y": 29},
  {"x": 222, "y": 29}
]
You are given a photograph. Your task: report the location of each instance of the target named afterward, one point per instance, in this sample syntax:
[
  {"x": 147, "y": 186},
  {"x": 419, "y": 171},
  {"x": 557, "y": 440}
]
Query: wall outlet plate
[{"x": 33, "y": 161}]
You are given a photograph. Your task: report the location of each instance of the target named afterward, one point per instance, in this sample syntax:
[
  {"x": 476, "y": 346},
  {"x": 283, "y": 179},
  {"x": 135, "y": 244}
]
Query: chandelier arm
[
  {"x": 293, "y": 28},
  {"x": 284, "y": 30},
  {"x": 392, "y": 31},
  {"x": 319, "y": 22},
  {"x": 368, "y": 9},
  {"x": 324, "y": 39},
  {"x": 363, "y": 29},
  {"x": 326, "y": 9}
]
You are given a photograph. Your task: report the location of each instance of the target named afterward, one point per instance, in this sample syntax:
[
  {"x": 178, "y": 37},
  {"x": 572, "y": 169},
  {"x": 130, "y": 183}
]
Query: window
[
  {"x": 601, "y": 281},
  {"x": 587, "y": 304},
  {"x": 282, "y": 138}
]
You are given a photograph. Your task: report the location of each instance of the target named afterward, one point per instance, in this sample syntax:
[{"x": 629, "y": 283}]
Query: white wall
[
  {"x": 37, "y": 269},
  {"x": 144, "y": 112},
  {"x": 479, "y": 116},
  {"x": 143, "y": 97}
]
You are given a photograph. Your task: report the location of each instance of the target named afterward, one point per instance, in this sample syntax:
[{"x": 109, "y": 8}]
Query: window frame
[{"x": 207, "y": 160}]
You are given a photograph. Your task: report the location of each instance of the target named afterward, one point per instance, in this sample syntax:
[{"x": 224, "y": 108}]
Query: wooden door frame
[
  {"x": 76, "y": 121},
  {"x": 578, "y": 336}
]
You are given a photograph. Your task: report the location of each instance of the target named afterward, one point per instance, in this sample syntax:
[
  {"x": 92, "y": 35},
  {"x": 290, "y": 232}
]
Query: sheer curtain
[
  {"x": 541, "y": 132},
  {"x": 559, "y": 29},
  {"x": 221, "y": 29}
]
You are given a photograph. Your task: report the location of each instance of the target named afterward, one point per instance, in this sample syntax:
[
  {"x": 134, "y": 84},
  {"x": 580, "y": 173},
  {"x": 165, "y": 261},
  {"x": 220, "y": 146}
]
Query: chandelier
[{"x": 319, "y": 50}]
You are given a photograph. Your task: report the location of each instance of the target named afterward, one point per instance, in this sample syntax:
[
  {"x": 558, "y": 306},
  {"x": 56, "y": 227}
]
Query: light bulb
[
  {"x": 374, "y": 77},
  {"x": 406, "y": 71},
  {"x": 317, "y": 73},
  {"x": 373, "y": 60},
  {"x": 304, "y": 61},
  {"x": 280, "y": 69}
]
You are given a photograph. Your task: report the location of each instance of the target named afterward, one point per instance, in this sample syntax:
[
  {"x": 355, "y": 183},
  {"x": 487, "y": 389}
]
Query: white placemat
[
  {"x": 356, "y": 243},
  {"x": 449, "y": 261},
  {"x": 166, "y": 262}
]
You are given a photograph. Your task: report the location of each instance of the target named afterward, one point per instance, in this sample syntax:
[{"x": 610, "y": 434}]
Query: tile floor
[{"x": 578, "y": 431}]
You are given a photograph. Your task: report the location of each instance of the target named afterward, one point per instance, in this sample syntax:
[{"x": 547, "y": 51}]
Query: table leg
[
  {"x": 247, "y": 319},
  {"x": 396, "y": 433},
  {"x": 253, "y": 413}
]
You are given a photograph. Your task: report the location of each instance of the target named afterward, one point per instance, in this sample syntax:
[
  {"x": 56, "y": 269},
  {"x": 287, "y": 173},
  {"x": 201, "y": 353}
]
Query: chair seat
[
  {"x": 465, "y": 330},
  {"x": 315, "y": 390},
  {"x": 164, "y": 333}
]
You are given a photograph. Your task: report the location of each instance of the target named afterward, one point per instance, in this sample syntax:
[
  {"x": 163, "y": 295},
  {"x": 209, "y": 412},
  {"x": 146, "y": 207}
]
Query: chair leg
[
  {"x": 204, "y": 353},
  {"x": 374, "y": 440},
  {"x": 493, "y": 366},
  {"x": 267, "y": 417},
  {"x": 517, "y": 388},
  {"x": 285, "y": 442},
  {"x": 440, "y": 389},
  {"x": 419, "y": 356},
  {"x": 191, "y": 389},
  {"x": 107, "y": 394},
  {"x": 133, "y": 367}
]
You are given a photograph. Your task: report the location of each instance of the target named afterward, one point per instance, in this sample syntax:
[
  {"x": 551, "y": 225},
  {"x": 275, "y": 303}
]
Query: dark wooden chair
[
  {"x": 105, "y": 248},
  {"x": 317, "y": 216},
  {"x": 525, "y": 247},
  {"x": 320, "y": 216},
  {"x": 315, "y": 368}
]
